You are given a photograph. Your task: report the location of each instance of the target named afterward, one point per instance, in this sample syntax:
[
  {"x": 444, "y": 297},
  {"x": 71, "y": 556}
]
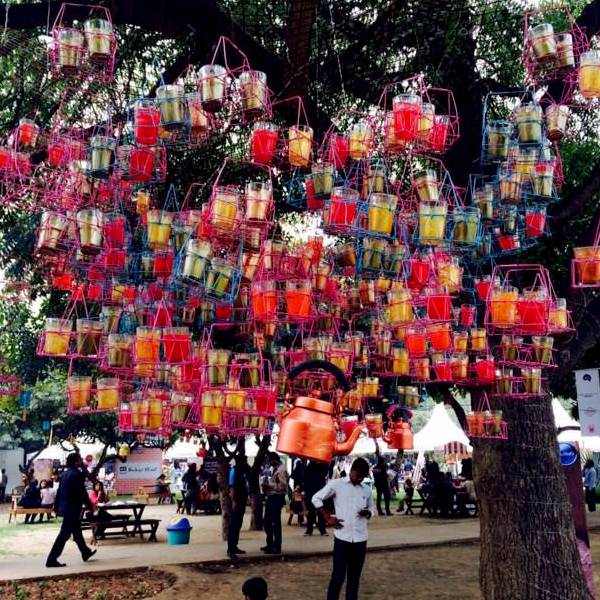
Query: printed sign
[
  {"x": 139, "y": 470},
  {"x": 587, "y": 382}
]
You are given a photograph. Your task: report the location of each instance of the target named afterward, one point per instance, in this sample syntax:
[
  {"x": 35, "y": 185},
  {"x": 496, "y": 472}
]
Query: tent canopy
[{"x": 439, "y": 431}]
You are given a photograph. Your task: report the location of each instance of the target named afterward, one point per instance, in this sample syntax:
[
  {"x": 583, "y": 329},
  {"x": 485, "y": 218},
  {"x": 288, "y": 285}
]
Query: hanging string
[{"x": 337, "y": 54}]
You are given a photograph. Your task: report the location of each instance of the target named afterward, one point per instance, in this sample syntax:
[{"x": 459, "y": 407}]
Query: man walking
[
  {"x": 71, "y": 497},
  {"x": 3, "y": 484},
  {"x": 315, "y": 477},
  {"x": 238, "y": 492},
  {"x": 353, "y": 507},
  {"x": 275, "y": 490}
]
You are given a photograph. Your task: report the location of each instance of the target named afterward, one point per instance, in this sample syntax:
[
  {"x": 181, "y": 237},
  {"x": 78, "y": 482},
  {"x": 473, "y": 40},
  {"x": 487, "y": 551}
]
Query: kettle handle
[{"x": 321, "y": 364}]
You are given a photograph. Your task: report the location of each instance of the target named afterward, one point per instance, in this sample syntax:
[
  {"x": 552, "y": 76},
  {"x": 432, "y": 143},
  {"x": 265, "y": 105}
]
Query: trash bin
[{"x": 178, "y": 531}]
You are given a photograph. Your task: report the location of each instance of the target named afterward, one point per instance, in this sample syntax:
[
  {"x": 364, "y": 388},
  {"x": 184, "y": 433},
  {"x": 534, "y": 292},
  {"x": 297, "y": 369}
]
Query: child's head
[{"x": 255, "y": 588}]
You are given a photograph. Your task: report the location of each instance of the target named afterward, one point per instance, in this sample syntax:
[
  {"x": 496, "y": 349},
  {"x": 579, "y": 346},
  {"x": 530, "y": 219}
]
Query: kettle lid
[{"x": 314, "y": 404}]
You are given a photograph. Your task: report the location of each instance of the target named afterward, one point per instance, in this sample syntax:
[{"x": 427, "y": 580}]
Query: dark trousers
[
  {"x": 273, "y": 506},
  {"x": 590, "y": 499},
  {"x": 71, "y": 526},
  {"x": 311, "y": 516},
  {"x": 235, "y": 526},
  {"x": 2, "y": 493},
  {"x": 348, "y": 561},
  {"x": 385, "y": 492}
]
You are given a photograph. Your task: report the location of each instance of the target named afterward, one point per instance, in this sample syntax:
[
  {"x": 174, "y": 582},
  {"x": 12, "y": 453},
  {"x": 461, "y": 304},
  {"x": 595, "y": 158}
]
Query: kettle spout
[{"x": 345, "y": 447}]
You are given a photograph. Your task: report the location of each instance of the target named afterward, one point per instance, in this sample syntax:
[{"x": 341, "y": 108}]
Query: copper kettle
[
  {"x": 310, "y": 429},
  {"x": 399, "y": 436}
]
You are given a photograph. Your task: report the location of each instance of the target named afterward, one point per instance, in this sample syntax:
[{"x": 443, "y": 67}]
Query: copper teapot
[
  {"x": 310, "y": 428},
  {"x": 399, "y": 436}
]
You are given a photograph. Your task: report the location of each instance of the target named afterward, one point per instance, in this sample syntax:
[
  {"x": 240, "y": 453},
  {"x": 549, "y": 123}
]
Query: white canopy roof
[{"x": 439, "y": 431}]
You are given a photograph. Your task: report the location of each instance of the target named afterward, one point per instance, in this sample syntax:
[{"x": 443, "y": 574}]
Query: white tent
[
  {"x": 439, "y": 431},
  {"x": 366, "y": 445}
]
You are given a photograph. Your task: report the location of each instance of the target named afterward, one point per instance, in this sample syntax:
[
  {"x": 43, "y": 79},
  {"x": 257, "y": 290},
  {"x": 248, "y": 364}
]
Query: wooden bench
[
  {"x": 145, "y": 493},
  {"x": 18, "y": 510},
  {"x": 125, "y": 527}
]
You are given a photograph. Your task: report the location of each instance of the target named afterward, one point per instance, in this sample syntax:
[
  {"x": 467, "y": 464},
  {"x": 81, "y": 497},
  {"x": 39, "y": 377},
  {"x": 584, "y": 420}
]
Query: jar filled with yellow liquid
[
  {"x": 589, "y": 74},
  {"x": 503, "y": 306},
  {"x": 432, "y": 222},
  {"x": 360, "y": 140},
  {"x": 57, "y": 336},
  {"x": 300, "y": 139},
  {"x": 225, "y": 205},
  {"x": 159, "y": 229},
  {"x": 382, "y": 208}
]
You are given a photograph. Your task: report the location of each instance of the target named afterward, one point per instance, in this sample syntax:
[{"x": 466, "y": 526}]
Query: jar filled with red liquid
[
  {"x": 342, "y": 207},
  {"x": 263, "y": 142},
  {"x": 467, "y": 315},
  {"x": 484, "y": 369},
  {"x": 176, "y": 344},
  {"x": 338, "y": 150},
  {"x": 407, "y": 111},
  {"x": 438, "y": 138},
  {"x": 416, "y": 342},
  {"x": 439, "y": 336},
  {"x": 535, "y": 221},
  {"x": 419, "y": 274},
  {"x": 27, "y": 133},
  {"x": 146, "y": 119},
  {"x": 114, "y": 231},
  {"x": 534, "y": 308},
  {"x": 439, "y": 305},
  {"x": 442, "y": 370}
]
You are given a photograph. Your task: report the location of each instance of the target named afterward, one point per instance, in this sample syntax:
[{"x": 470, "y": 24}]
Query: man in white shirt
[{"x": 353, "y": 504}]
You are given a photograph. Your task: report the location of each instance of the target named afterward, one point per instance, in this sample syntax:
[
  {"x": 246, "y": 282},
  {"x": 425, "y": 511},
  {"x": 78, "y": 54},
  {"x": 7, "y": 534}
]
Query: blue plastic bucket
[{"x": 178, "y": 532}]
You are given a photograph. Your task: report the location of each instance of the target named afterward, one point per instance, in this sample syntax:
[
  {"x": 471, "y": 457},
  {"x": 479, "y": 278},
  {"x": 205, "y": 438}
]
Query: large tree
[{"x": 343, "y": 54}]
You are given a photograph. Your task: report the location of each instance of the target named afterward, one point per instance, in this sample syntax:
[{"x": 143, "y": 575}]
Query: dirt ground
[
  {"x": 139, "y": 584},
  {"x": 443, "y": 572}
]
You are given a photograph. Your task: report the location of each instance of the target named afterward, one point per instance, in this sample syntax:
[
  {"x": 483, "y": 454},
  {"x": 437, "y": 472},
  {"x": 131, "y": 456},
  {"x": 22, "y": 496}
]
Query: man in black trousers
[
  {"x": 315, "y": 478},
  {"x": 71, "y": 496},
  {"x": 353, "y": 508},
  {"x": 238, "y": 491}
]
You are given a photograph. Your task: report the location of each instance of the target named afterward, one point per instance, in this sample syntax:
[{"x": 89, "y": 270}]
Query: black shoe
[
  {"x": 232, "y": 555},
  {"x": 265, "y": 548},
  {"x": 307, "y": 533},
  {"x": 240, "y": 551},
  {"x": 51, "y": 565},
  {"x": 88, "y": 556},
  {"x": 272, "y": 551},
  {"x": 325, "y": 534},
  {"x": 388, "y": 514}
]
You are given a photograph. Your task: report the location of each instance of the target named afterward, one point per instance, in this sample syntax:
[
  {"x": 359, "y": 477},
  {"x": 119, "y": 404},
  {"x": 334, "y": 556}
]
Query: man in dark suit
[{"x": 71, "y": 497}]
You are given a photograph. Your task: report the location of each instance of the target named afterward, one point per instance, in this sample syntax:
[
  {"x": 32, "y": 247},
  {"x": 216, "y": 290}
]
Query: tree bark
[
  {"x": 528, "y": 546},
  {"x": 256, "y": 499}
]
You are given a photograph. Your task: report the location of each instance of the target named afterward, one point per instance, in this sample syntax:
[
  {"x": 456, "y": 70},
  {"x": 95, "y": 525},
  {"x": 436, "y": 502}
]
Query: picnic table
[{"x": 127, "y": 525}]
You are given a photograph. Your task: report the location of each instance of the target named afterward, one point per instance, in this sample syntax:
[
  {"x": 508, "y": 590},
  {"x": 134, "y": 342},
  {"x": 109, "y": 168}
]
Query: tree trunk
[
  {"x": 528, "y": 547},
  {"x": 256, "y": 512},
  {"x": 224, "y": 499}
]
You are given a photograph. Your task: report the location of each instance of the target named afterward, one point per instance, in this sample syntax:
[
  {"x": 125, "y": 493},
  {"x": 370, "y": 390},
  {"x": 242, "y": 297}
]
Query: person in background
[
  {"x": 97, "y": 494},
  {"x": 353, "y": 504},
  {"x": 382, "y": 486},
  {"x": 70, "y": 498},
  {"x": 275, "y": 489},
  {"x": 190, "y": 489},
  {"x": 31, "y": 498},
  {"x": 589, "y": 484},
  {"x": 315, "y": 477},
  {"x": 409, "y": 490},
  {"x": 255, "y": 589},
  {"x": 238, "y": 492},
  {"x": 297, "y": 506},
  {"x": 161, "y": 486},
  {"x": 48, "y": 495},
  {"x": 298, "y": 473},
  {"x": 3, "y": 484}
]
